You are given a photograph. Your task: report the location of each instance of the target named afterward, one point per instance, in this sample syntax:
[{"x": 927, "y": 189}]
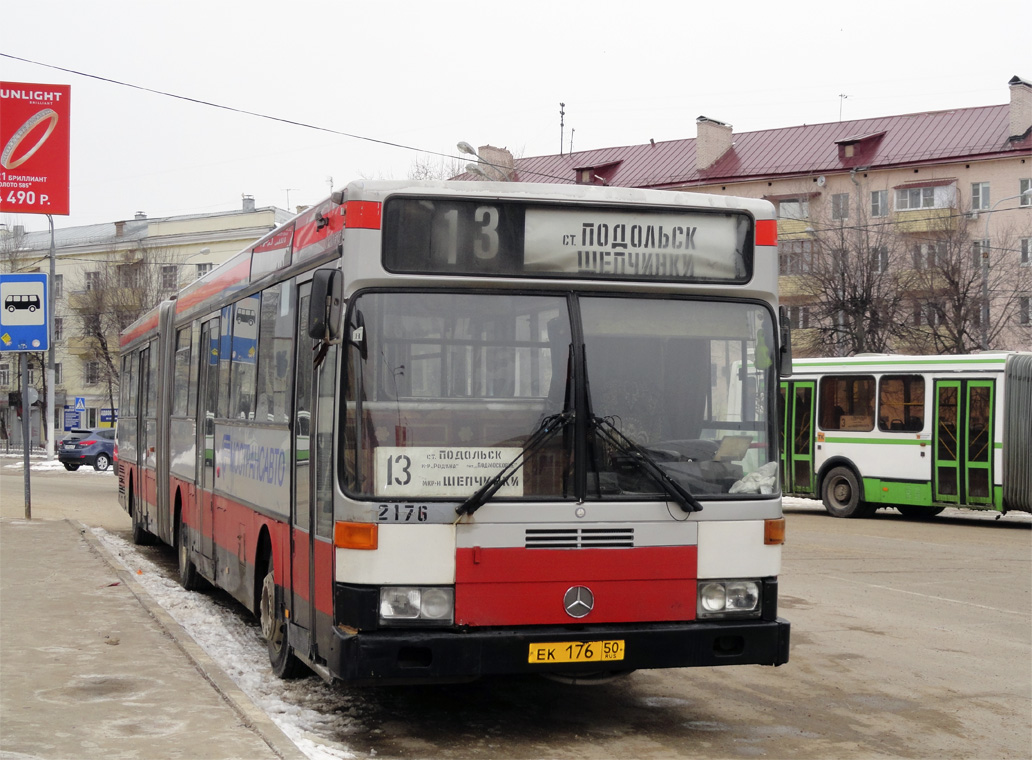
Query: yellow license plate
[{"x": 575, "y": 651}]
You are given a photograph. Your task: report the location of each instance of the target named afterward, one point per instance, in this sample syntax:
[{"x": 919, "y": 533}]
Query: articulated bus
[
  {"x": 916, "y": 433},
  {"x": 436, "y": 431}
]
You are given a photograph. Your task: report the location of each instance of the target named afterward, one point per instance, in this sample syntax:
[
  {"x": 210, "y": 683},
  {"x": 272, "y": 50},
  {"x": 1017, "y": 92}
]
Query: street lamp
[{"x": 985, "y": 265}]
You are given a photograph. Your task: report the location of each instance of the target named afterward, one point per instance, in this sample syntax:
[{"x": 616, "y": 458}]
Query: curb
[{"x": 250, "y": 714}]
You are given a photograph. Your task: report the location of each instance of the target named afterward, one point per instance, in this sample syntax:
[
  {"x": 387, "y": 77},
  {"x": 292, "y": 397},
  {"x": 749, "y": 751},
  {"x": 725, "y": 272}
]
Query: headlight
[
  {"x": 728, "y": 599},
  {"x": 416, "y": 604}
]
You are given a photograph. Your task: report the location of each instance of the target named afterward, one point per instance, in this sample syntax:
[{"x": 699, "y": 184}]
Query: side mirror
[
  {"x": 785, "y": 365},
  {"x": 324, "y": 307}
]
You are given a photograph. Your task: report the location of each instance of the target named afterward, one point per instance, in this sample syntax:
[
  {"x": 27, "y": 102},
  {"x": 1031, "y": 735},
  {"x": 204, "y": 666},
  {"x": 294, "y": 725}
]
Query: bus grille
[{"x": 579, "y": 538}]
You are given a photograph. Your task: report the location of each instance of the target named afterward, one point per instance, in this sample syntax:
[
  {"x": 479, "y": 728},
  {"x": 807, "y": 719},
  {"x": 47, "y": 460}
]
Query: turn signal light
[
  {"x": 350, "y": 535},
  {"x": 774, "y": 531}
]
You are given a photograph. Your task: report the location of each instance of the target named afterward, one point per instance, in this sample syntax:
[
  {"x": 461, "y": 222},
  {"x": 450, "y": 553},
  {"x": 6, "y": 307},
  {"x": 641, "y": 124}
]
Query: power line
[{"x": 256, "y": 114}]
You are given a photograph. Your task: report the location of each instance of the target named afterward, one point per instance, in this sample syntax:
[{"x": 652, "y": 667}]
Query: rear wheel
[
  {"x": 842, "y": 494},
  {"x": 274, "y": 627},
  {"x": 102, "y": 462}
]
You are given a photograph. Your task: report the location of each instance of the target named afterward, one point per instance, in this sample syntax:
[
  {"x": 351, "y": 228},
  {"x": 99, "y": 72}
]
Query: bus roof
[{"x": 991, "y": 360}]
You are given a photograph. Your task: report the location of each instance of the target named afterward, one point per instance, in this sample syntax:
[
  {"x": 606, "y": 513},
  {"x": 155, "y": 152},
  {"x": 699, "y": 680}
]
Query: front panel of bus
[{"x": 556, "y": 444}]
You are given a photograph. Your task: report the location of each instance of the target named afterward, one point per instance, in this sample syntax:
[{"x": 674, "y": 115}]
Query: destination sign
[{"x": 503, "y": 238}]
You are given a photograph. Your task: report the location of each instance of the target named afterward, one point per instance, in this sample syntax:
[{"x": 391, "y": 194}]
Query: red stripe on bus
[
  {"x": 362, "y": 215},
  {"x": 767, "y": 232},
  {"x": 526, "y": 586},
  {"x": 222, "y": 282},
  {"x": 150, "y": 324}
]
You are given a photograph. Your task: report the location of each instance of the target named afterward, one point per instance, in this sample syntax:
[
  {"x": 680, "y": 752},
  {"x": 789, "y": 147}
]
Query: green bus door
[
  {"x": 963, "y": 446},
  {"x": 797, "y": 437}
]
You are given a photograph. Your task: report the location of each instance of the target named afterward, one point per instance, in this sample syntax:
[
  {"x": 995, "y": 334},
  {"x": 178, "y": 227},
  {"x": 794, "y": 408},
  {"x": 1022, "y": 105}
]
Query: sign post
[{"x": 25, "y": 327}]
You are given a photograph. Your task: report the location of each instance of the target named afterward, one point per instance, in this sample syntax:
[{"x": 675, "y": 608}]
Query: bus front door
[
  {"x": 302, "y": 577},
  {"x": 963, "y": 446},
  {"x": 202, "y": 522},
  {"x": 797, "y": 437}
]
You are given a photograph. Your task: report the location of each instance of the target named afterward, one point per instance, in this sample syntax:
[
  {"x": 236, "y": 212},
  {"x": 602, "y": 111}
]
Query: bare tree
[
  {"x": 429, "y": 167},
  {"x": 953, "y": 266},
  {"x": 855, "y": 280},
  {"x": 114, "y": 296}
]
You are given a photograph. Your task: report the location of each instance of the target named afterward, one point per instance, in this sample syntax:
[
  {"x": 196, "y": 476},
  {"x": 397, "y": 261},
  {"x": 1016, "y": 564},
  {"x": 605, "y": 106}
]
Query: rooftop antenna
[
  {"x": 562, "y": 115},
  {"x": 842, "y": 99},
  {"x": 572, "y": 130},
  {"x": 287, "y": 190},
  {"x": 330, "y": 180}
]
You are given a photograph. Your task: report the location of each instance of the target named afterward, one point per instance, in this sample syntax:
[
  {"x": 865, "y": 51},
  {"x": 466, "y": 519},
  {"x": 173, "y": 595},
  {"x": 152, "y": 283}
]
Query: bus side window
[
  {"x": 901, "y": 403},
  {"x": 847, "y": 403}
]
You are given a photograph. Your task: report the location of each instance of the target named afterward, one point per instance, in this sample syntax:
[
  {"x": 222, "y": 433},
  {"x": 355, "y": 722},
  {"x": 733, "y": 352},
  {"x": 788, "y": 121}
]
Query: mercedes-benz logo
[{"x": 578, "y": 601}]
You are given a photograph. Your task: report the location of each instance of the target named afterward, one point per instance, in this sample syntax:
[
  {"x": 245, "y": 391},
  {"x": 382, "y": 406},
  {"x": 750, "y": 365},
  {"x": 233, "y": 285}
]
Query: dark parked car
[{"x": 93, "y": 447}]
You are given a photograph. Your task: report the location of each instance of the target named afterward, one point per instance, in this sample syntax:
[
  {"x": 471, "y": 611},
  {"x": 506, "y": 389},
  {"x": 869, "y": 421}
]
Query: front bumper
[{"x": 399, "y": 656}]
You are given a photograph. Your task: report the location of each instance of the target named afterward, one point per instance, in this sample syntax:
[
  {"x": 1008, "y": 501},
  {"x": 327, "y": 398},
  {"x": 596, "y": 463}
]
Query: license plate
[
  {"x": 70, "y": 447},
  {"x": 576, "y": 651}
]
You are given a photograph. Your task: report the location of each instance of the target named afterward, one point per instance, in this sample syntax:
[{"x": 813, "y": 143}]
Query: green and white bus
[{"x": 915, "y": 433}]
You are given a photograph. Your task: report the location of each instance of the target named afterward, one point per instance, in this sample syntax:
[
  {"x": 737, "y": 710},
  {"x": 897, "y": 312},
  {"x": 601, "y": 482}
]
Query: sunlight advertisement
[{"x": 34, "y": 147}]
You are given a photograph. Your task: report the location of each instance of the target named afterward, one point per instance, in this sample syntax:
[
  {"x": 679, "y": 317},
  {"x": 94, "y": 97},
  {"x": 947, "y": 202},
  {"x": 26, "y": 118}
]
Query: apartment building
[
  {"x": 122, "y": 266},
  {"x": 939, "y": 204}
]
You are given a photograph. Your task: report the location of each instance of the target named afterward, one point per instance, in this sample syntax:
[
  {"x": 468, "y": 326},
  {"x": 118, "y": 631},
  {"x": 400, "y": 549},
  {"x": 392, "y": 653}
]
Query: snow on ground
[
  {"x": 308, "y": 711},
  {"x": 36, "y": 464}
]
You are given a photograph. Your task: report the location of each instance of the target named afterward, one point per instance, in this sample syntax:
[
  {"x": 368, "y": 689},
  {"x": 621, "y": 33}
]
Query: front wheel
[
  {"x": 71, "y": 467},
  {"x": 274, "y": 627},
  {"x": 842, "y": 494}
]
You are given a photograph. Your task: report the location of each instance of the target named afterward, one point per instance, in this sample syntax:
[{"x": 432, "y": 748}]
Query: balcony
[{"x": 925, "y": 220}]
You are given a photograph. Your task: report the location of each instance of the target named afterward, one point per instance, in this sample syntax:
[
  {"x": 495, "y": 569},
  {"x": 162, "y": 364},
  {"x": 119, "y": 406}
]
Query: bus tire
[
  {"x": 912, "y": 512},
  {"x": 274, "y": 627},
  {"x": 188, "y": 576},
  {"x": 841, "y": 494}
]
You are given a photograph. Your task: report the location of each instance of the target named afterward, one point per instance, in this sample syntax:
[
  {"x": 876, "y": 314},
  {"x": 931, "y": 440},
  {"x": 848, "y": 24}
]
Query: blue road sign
[
  {"x": 24, "y": 325},
  {"x": 80, "y": 403}
]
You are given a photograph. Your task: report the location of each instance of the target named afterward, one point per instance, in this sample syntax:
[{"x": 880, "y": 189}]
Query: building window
[
  {"x": 929, "y": 255},
  {"x": 92, "y": 280},
  {"x": 795, "y": 256},
  {"x": 928, "y": 314},
  {"x": 794, "y": 208},
  {"x": 32, "y": 375},
  {"x": 5, "y": 374},
  {"x": 58, "y": 288},
  {"x": 169, "y": 277},
  {"x": 880, "y": 203},
  {"x": 58, "y": 328},
  {"x": 58, "y": 373},
  {"x": 1026, "y": 251},
  {"x": 799, "y": 317},
  {"x": 203, "y": 269},
  {"x": 880, "y": 260},
  {"x": 979, "y": 196},
  {"x": 1025, "y": 310},
  {"x": 92, "y": 373},
  {"x": 840, "y": 206},
  {"x": 1023, "y": 187},
  {"x": 979, "y": 251},
  {"x": 938, "y": 196}
]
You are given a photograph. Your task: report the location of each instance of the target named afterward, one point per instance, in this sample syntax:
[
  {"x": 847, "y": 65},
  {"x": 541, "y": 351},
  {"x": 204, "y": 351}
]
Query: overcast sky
[{"x": 426, "y": 75}]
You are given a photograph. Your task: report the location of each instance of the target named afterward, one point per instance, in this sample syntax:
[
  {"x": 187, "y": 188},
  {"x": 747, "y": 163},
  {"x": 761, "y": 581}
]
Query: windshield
[{"x": 444, "y": 391}]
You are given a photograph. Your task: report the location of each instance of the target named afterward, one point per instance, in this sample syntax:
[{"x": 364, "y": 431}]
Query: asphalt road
[{"x": 909, "y": 639}]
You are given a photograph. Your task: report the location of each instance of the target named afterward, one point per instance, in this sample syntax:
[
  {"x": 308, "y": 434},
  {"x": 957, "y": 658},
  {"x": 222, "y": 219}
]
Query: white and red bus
[{"x": 432, "y": 431}]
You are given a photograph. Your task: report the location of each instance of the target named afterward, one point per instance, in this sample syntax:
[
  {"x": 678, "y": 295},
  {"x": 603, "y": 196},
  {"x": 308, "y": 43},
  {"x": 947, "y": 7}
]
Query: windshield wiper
[
  {"x": 548, "y": 427},
  {"x": 644, "y": 461}
]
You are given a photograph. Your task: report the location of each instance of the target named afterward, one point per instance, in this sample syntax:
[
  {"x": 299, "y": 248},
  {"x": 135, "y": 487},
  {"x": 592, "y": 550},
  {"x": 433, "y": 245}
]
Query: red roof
[{"x": 884, "y": 142}]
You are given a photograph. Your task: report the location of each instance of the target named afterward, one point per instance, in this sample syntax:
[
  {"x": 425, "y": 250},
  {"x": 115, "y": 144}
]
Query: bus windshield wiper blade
[
  {"x": 548, "y": 427},
  {"x": 646, "y": 463}
]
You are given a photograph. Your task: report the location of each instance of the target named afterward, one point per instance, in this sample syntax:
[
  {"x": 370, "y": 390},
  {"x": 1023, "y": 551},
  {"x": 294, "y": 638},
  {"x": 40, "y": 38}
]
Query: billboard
[{"x": 35, "y": 148}]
